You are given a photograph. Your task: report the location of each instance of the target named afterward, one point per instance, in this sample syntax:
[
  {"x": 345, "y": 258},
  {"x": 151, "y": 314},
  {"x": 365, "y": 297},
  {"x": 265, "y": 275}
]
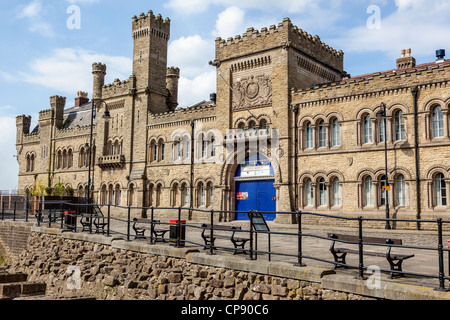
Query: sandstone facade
[{"x": 148, "y": 152}]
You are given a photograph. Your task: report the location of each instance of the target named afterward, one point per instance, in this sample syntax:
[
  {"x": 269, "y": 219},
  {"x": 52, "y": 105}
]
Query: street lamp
[
  {"x": 383, "y": 116},
  {"x": 93, "y": 115}
]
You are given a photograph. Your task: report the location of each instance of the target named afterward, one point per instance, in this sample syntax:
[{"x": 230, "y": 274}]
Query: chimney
[
  {"x": 440, "y": 55},
  {"x": 406, "y": 61},
  {"x": 82, "y": 98}
]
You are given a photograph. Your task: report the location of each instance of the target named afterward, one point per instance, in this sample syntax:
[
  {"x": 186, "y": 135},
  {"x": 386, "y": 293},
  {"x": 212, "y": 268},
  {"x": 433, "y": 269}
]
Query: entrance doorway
[{"x": 255, "y": 188}]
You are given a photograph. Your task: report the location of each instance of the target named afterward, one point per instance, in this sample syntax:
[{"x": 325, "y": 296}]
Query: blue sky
[{"x": 48, "y": 49}]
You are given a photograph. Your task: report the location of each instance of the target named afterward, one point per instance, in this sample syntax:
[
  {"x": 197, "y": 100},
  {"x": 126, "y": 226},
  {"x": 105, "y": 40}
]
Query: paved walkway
[{"x": 425, "y": 261}]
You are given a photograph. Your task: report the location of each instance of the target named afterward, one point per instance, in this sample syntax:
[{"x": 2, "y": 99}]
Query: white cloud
[
  {"x": 420, "y": 25},
  {"x": 82, "y": 1},
  {"x": 33, "y": 13},
  {"x": 291, "y": 6},
  {"x": 191, "y": 91},
  {"x": 230, "y": 23},
  {"x": 9, "y": 169},
  {"x": 69, "y": 70},
  {"x": 33, "y": 10},
  {"x": 191, "y": 54}
]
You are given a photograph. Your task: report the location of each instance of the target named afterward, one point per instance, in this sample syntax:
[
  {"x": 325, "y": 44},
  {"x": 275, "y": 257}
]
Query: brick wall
[{"x": 13, "y": 239}]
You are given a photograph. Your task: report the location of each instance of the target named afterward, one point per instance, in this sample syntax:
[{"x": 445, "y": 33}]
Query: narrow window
[
  {"x": 400, "y": 187},
  {"x": 368, "y": 192},
  {"x": 336, "y": 133},
  {"x": 322, "y": 134},
  {"x": 337, "y": 197},
  {"x": 309, "y": 193},
  {"x": 440, "y": 190},
  {"x": 309, "y": 136},
  {"x": 438, "y": 122},
  {"x": 399, "y": 127},
  {"x": 322, "y": 192},
  {"x": 367, "y": 129}
]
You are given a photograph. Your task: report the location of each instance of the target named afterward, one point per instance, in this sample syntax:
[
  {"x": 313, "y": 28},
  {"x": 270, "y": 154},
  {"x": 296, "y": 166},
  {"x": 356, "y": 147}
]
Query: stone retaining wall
[
  {"x": 109, "y": 268},
  {"x": 112, "y": 273}
]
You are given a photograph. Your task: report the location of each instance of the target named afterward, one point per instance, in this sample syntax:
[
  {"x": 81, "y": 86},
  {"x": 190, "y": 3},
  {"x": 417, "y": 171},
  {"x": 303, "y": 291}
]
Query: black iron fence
[{"x": 294, "y": 244}]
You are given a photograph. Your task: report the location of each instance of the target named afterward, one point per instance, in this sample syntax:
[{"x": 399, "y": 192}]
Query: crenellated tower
[
  {"x": 99, "y": 73},
  {"x": 151, "y": 36}
]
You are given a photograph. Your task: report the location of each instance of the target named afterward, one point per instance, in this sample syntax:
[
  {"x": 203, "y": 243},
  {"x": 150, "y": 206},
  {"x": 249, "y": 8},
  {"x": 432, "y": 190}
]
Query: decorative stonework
[{"x": 252, "y": 92}]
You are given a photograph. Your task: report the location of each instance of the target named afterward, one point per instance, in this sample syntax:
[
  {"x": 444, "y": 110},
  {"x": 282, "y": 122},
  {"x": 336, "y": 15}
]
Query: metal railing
[{"x": 87, "y": 218}]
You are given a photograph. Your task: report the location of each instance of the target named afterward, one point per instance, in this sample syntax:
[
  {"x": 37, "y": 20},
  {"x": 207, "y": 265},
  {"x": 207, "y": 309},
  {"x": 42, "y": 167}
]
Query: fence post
[
  {"x": 361, "y": 251},
  {"x": 14, "y": 212},
  {"x": 26, "y": 209},
  {"x": 128, "y": 223},
  {"x": 109, "y": 220},
  {"x": 211, "y": 234},
  {"x": 3, "y": 210},
  {"x": 300, "y": 240},
  {"x": 441, "y": 257},
  {"x": 179, "y": 227},
  {"x": 152, "y": 224},
  {"x": 251, "y": 242}
]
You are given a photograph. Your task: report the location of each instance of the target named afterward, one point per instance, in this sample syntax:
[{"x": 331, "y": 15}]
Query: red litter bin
[
  {"x": 177, "y": 232},
  {"x": 70, "y": 219}
]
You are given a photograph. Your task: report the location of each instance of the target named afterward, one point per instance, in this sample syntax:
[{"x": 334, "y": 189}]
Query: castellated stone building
[{"x": 287, "y": 129}]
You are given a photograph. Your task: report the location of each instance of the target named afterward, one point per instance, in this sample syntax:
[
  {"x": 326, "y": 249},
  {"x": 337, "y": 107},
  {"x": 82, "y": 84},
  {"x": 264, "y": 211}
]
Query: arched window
[
  {"x": 263, "y": 124},
  {"x": 59, "y": 160},
  {"x": 28, "y": 163},
  {"x": 175, "y": 191},
  {"x": 184, "y": 195},
  {"x": 367, "y": 129},
  {"x": 131, "y": 195},
  {"x": 400, "y": 134},
  {"x": 117, "y": 195},
  {"x": 440, "y": 191},
  {"x": 322, "y": 134},
  {"x": 158, "y": 195},
  {"x": 438, "y": 122},
  {"x": 251, "y": 125},
  {"x": 241, "y": 126},
  {"x": 154, "y": 150},
  {"x": 202, "y": 194},
  {"x": 368, "y": 191},
  {"x": 309, "y": 136},
  {"x": 384, "y": 195},
  {"x": 103, "y": 194},
  {"x": 337, "y": 193},
  {"x": 309, "y": 193},
  {"x": 335, "y": 133},
  {"x": 213, "y": 147},
  {"x": 203, "y": 144},
  {"x": 70, "y": 158},
  {"x": 322, "y": 192},
  {"x": 210, "y": 194},
  {"x": 161, "y": 147},
  {"x": 400, "y": 188},
  {"x": 383, "y": 128}
]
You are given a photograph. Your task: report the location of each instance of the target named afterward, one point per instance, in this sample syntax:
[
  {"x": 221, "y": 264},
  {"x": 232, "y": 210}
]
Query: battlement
[
  {"x": 386, "y": 82},
  {"x": 98, "y": 67},
  {"x": 173, "y": 72},
  {"x": 117, "y": 88},
  {"x": 284, "y": 35},
  {"x": 149, "y": 24}
]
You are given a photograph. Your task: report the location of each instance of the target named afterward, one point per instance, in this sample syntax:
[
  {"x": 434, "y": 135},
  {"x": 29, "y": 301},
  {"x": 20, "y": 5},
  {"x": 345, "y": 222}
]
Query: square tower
[{"x": 151, "y": 36}]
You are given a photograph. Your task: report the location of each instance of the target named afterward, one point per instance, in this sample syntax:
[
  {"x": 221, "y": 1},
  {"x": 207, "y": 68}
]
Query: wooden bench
[
  {"x": 140, "y": 225},
  {"x": 395, "y": 260},
  {"x": 238, "y": 242}
]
